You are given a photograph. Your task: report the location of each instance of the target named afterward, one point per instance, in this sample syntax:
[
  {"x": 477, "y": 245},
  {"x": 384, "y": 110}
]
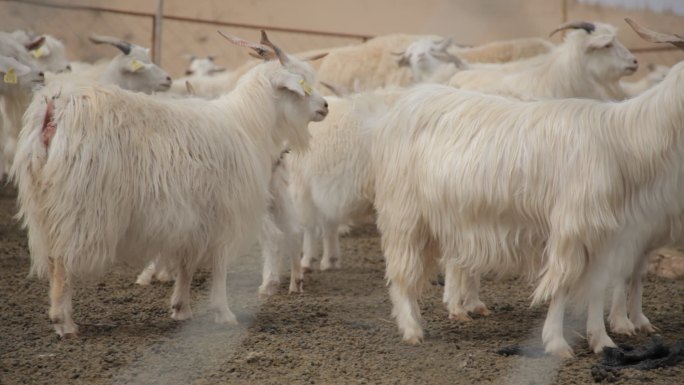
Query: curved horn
[
  {"x": 35, "y": 43},
  {"x": 266, "y": 56},
  {"x": 263, "y": 51},
  {"x": 123, "y": 45},
  {"x": 585, "y": 25},
  {"x": 279, "y": 53},
  {"x": 656, "y": 37},
  {"x": 333, "y": 89},
  {"x": 190, "y": 88},
  {"x": 315, "y": 57},
  {"x": 444, "y": 44},
  {"x": 398, "y": 53},
  {"x": 449, "y": 58}
]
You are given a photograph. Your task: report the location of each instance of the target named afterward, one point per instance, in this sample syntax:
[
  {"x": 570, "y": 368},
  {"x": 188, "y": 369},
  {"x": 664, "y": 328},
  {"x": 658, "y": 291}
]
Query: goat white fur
[
  {"x": 504, "y": 51},
  {"x": 656, "y": 74},
  {"x": 14, "y": 99},
  {"x": 485, "y": 180},
  {"x": 281, "y": 235},
  {"x": 369, "y": 64},
  {"x": 126, "y": 176},
  {"x": 587, "y": 64},
  {"x": 17, "y": 81},
  {"x": 132, "y": 69},
  {"x": 49, "y": 53},
  {"x": 430, "y": 61},
  {"x": 332, "y": 182}
]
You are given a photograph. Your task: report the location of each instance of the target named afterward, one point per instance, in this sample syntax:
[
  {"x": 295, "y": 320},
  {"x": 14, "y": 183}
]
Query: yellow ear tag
[
  {"x": 136, "y": 65},
  {"x": 38, "y": 53},
  {"x": 306, "y": 87},
  {"x": 10, "y": 77}
]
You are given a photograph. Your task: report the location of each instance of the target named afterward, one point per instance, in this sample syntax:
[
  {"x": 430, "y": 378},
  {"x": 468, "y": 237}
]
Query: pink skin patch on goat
[{"x": 49, "y": 126}]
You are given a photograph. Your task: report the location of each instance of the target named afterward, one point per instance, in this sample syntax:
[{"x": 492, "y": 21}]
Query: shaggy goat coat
[
  {"x": 573, "y": 69},
  {"x": 567, "y": 189},
  {"x": 128, "y": 176}
]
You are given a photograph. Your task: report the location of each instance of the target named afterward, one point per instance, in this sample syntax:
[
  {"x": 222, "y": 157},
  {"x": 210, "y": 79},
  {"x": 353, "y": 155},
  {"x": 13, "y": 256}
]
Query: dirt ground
[{"x": 338, "y": 332}]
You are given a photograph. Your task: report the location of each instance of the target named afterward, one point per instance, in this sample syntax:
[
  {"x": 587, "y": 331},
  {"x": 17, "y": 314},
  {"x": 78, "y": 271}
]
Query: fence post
[{"x": 157, "y": 33}]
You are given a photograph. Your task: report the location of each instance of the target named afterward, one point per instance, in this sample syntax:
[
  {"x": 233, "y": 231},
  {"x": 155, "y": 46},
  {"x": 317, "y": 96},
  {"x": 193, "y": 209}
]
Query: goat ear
[
  {"x": 8, "y": 63},
  {"x": 35, "y": 43},
  {"x": 135, "y": 65},
  {"x": 596, "y": 42},
  {"x": 41, "y": 51},
  {"x": 291, "y": 83}
]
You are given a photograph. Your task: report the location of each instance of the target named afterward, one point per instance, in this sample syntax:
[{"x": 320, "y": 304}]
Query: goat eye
[{"x": 609, "y": 45}]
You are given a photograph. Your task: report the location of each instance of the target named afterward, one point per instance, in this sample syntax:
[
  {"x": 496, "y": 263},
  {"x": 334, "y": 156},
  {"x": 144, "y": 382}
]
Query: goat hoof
[
  {"x": 560, "y": 349},
  {"x": 460, "y": 317}
]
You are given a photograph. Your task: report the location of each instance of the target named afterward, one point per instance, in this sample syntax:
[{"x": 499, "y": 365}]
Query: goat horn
[
  {"x": 263, "y": 51},
  {"x": 449, "y": 58},
  {"x": 585, "y": 25},
  {"x": 332, "y": 88},
  {"x": 315, "y": 57},
  {"x": 656, "y": 37},
  {"x": 398, "y": 53},
  {"x": 190, "y": 88},
  {"x": 444, "y": 43},
  {"x": 279, "y": 53},
  {"x": 35, "y": 43},
  {"x": 123, "y": 45}
]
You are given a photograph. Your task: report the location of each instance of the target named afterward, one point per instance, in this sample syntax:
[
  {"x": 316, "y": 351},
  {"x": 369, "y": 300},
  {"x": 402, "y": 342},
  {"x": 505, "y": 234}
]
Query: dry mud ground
[{"x": 337, "y": 332}]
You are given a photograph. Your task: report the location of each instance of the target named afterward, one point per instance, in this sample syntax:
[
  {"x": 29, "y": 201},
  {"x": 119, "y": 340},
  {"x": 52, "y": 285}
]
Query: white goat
[
  {"x": 280, "y": 234},
  {"x": 16, "y": 80},
  {"x": 203, "y": 67},
  {"x": 131, "y": 70},
  {"x": 49, "y": 53},
  {"x": 369, "y": 64},
  {"x": 589, "y": 64},
  {"x": 331, "y": 183},
  {"x": 206, "y": 77},
  {"x": 106, "y": 175},
  {"x": 14, "y": 100},
  {"x": 222, "y": 83},
  {"x": 484, "y": 181},
  {"x": 430, "y": 61}
]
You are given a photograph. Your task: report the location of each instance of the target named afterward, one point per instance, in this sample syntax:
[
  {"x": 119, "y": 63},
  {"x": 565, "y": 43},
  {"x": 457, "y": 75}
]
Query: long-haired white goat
[
  {"x": 429, "y": 60},
  {"x": 332, "y": 182},
  {"x": 49, "y": 53},
  {"x": 588, "y": 64},
  {"x": 568, "y": 189},
  {"x": 106, "y": 175}
]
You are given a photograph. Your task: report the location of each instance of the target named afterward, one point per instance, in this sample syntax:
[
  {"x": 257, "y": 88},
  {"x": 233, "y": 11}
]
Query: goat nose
[
  {"x": 42, "y": 75},
  {"x": 636, "y": 61},
  {"x": 325, "y": 104},
  {"x": 68, "y": 67},
  {"x": 168, "y": 78}
]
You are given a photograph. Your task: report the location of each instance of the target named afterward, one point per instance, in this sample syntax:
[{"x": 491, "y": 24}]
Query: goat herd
[{"x": 512, "y": 158}]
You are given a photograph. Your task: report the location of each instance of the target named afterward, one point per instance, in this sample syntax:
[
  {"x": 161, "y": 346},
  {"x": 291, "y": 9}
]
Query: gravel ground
[{"x": 338, "y": 332}]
